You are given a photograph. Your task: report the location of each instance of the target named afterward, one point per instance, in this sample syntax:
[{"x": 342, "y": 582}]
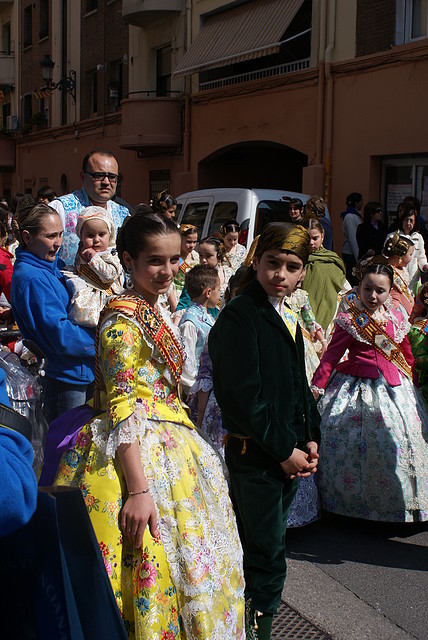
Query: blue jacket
[{"x": 40, "y": 300}]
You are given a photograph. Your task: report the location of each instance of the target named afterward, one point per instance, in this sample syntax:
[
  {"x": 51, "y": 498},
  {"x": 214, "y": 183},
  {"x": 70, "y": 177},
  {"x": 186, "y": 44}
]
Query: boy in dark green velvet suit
[{"x": 260, "y": 384}]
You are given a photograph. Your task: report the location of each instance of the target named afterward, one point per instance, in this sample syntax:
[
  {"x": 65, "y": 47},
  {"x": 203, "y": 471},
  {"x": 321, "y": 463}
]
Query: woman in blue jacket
[{"x": 40, "y": 301}]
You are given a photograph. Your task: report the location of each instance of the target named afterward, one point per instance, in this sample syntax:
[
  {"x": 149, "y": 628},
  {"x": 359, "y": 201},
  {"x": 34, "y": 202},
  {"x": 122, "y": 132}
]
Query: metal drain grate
[{"x": 288, "y": 623}]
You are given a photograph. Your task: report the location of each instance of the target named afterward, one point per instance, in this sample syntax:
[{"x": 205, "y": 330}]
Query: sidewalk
[{"x": 357, "y": 580}]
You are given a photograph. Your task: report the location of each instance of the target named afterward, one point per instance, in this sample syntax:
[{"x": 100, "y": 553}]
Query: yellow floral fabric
[{"x": 188, "y": 584}]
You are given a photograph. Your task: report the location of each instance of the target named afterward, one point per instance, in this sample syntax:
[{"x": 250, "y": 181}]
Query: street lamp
[{"x": 68, "y": 83}]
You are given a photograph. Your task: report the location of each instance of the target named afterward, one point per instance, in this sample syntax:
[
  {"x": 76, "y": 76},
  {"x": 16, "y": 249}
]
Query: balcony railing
[
  {"x": 270, "y": 72},
  {"x": 150, "y": 121},
  {"x": 141, "y": 13},
  {"x": 7, "y": 69}
]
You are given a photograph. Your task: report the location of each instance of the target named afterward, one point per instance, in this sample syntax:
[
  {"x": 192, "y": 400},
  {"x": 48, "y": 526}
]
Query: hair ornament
[
  {"x": 369, "y": 260},
  {"x": 396, "y": 245},
  {"x": 185, "y": 228}
]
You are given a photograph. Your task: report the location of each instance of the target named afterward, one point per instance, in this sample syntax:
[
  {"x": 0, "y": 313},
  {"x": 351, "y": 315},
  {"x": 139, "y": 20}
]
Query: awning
[{"x": 249, "y": 31}]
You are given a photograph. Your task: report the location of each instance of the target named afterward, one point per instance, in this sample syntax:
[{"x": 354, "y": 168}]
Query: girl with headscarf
[{"x": 325, "y": 276}]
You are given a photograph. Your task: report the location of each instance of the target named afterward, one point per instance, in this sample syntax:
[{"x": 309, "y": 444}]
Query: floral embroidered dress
[
  {"x": 185, "y": 266},
  {"x": 306, "y": 506},
  {"x": 188, "y": 584},
  {"x": 299, "y": 303},
  {"x": 235, "y": 257},
  {"x": 374, "y": 428}
]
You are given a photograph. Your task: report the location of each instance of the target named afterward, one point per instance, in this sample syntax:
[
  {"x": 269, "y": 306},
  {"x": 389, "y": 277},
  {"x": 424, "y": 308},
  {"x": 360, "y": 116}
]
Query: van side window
[
  {"x": 223, "y": 212},
  {"x": 195, "y": 213},
  {"x": 270, "y": 211}
]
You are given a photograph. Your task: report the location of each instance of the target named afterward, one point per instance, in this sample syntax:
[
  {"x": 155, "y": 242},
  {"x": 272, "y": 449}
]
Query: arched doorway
[{"x": 257, "y": 164}]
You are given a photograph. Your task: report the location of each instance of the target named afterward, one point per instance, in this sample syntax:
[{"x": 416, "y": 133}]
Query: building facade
[{"x": 318, "y": 96}]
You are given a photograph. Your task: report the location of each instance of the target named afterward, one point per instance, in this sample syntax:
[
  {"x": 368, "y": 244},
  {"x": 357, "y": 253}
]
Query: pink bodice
[{"x": 363, "y": 361}]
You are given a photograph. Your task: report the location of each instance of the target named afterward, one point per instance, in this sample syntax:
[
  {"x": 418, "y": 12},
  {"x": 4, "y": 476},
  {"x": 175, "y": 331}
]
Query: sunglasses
[{"x": 102, "y": 175}]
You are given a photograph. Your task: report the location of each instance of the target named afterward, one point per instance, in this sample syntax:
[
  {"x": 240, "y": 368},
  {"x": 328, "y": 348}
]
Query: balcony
[
  {"x": 150, "y": 122},
  {"x": 7, "y": 153},
  {"x": 142, "y": 13},
  {"x": 7, "y": 69}
]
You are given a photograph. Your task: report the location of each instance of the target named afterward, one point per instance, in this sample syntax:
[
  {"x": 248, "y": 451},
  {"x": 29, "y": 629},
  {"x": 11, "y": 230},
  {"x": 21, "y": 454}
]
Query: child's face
[
  {"x": 156, "y": 266},
  {"x": 208, "y": 255},
  {"x": 95, "y": 235},
  {"x": 407, "y": 257},
  {"x": 374, "y": 290},
  {"x": 316, "y": 239},
  {"x": 278, "y": 272},
  {"x": 214, "y": 295},
  {"x": 170, "y": 213},
  {"x": 230, "y": 239},
  {"x": 188, "y": 243}
]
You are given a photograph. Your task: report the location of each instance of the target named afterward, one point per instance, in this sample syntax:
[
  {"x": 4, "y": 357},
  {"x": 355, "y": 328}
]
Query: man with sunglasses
[{"x": 99, "y": 175}]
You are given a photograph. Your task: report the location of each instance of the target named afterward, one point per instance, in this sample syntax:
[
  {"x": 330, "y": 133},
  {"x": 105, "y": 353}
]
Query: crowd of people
[{"x": 231, "y": 393}]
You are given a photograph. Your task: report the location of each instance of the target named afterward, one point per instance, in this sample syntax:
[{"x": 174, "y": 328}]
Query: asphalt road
[{"x": 360, "y": 580}]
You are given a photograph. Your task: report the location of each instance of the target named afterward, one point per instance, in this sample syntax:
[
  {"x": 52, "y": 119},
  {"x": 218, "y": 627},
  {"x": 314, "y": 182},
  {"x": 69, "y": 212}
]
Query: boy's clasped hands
[{"x": 301, "y": 464}]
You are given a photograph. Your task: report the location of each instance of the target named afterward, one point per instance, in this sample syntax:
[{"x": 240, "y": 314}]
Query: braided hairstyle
[{"x": 397, "y": 245}]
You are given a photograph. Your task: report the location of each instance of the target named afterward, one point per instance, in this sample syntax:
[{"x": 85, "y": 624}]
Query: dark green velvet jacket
[{"x": 259, "y": 376}]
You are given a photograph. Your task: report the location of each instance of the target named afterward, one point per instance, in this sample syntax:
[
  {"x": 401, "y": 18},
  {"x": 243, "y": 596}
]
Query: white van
[{"x": 209, "y": 209}]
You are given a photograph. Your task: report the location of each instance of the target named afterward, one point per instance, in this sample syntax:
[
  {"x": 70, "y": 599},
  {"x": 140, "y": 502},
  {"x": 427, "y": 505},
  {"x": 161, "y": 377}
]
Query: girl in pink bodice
[{"x": 374, "y": 444}]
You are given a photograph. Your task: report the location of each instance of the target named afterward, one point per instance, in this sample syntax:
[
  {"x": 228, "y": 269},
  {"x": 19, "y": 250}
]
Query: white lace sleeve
[{"x": 126, "y": 432}]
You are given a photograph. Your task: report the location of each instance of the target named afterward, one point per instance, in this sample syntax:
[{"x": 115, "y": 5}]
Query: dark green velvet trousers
[{"x": 261, "y": 496}]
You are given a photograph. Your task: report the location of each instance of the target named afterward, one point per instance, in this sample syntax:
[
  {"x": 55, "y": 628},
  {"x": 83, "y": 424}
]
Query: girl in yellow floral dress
[{"x": 154, "y": 489}]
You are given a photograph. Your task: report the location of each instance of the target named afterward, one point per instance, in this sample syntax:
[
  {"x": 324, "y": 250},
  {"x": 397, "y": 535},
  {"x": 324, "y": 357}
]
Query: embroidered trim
[
  {"x": 376, "y": 335},
  {"x": 402, "y": 287},
  {"x": 421, "y": 325},
  {"x": 153, "y": 324},
  {"x": 184, "y": 267},
  {"x": 86, "y": 272}
]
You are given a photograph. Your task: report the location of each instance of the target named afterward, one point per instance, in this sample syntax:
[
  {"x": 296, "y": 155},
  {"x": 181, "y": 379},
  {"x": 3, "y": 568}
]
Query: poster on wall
[{"x": 396, "y": 194}]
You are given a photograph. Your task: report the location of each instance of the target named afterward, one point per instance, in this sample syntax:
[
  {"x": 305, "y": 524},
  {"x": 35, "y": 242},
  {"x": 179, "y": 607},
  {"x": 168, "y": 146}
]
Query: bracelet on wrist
[{"x": 138, "y": 493}]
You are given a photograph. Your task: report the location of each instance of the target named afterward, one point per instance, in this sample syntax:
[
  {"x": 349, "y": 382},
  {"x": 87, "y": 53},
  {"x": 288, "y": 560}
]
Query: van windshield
[{"x": 270, "y": 211}]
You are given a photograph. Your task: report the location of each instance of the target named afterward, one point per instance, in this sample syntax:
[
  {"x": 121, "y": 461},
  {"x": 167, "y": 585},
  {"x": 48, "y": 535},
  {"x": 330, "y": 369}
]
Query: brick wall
[
  {"x": 31, "y": 72},
  {"x": 104, "y": 44},
  {"x": 375, "y": 26}
]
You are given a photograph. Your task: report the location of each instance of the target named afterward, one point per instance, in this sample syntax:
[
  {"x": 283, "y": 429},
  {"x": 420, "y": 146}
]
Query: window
[
  {"x": 159, "y": 181},
  {"x": 196, "y": 213},
  {"x": 270, "y": 211},
  {"x": 412, "y": 20},
  {"x": 163, "y": 71},
  {"x": 5, "y": 113},
  {"x": 91, "y": 5},
  {"x": 416, "y": 19},
  {"x": 403, "y": 177},
  {"x": 5, "y": 38},
  {"x": 28, "y": 26},
  {"x": 223, "y": 211},
  {"x": 114, "y": 84},
  {"x": 93, "y": 91},
  {"x": 44, "y": 19},
  {"x": 28, "y": 109}
]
